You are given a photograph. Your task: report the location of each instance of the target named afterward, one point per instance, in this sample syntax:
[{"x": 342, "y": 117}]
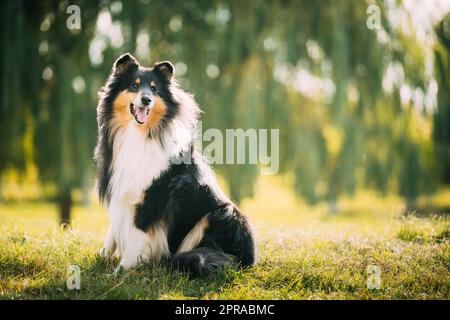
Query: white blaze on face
[{"x": 142, "y": 112}]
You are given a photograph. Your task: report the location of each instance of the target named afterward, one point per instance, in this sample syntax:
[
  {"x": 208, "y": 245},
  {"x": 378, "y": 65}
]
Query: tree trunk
[
  {"x": 411, "y": 205},
  {"x": 1, "y": 187},
  {"x": 65, "y": 206},
  {"x": 333, "y": 207},
  {"x": 85, "y": 190}
]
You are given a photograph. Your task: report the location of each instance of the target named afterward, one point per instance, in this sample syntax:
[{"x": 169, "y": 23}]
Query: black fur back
[{"x": 180, "y": 198}]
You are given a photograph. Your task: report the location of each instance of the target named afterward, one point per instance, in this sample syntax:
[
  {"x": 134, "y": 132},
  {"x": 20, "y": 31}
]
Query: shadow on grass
[
  {"x": 99, "y": 282},
  {"x": 428, "y": 211}
]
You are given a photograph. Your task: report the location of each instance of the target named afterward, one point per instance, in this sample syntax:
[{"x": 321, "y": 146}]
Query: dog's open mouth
[{"x": 139, "y": 114}]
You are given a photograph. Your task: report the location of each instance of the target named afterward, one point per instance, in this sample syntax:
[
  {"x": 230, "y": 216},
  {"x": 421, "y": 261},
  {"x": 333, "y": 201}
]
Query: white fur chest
[{"x": 137, "y": 161}]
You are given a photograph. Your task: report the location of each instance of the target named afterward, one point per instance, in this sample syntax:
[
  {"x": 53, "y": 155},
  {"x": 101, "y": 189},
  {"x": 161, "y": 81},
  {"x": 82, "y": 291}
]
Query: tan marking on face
[
  {"x": 122, "y": 115},
  {"x": 152, "y": 84},
  {"x": 137, "y": 81},
  {"x": 194, "y": 236}
]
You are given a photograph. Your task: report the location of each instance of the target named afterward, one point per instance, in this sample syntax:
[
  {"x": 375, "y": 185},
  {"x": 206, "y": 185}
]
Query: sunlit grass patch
[
  {"x": 304, "y": 253},
  {"x": 33, "y": 264},
  {"x": 435, "y": 229}
]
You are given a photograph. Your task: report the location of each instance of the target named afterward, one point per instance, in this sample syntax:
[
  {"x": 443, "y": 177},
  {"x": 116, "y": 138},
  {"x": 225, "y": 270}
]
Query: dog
[{"x": 163, "y": 209}]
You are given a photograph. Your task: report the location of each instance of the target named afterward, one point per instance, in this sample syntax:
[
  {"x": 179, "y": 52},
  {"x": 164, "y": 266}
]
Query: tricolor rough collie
[{"x": 163, "y": 200}]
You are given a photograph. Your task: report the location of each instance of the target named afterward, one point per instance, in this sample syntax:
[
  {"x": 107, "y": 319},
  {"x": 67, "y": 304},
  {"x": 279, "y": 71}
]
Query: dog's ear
[
  {"x": 166, "y": 69},
  {"x": 124, "y": 62}
]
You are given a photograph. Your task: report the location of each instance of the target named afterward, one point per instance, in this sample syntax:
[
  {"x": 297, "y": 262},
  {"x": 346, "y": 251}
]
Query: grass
[{"x": 305, "y": 253}]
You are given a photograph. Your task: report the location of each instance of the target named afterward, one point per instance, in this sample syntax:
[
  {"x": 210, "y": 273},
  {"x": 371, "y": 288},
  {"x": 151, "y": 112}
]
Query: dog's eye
[
  {"x": 134, "y": 86},
  {"x": 154, "y": 89}
]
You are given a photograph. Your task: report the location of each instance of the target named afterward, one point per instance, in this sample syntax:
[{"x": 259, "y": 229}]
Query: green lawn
[{"x": 305, "y": 253}]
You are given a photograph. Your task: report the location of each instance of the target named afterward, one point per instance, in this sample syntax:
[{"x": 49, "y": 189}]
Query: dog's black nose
[{"x": 146, "y": 100}]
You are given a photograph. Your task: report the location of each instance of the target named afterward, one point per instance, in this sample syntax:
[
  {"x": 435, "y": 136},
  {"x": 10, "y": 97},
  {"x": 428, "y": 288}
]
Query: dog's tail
[{"x": 202, "y": 261}]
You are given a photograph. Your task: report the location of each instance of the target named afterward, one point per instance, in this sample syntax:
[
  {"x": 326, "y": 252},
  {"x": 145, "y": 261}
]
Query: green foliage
[
  {"x": 313, "y": 70},
  {"x": 441, "y": 133},
  {"x": 17, "y": 94}
]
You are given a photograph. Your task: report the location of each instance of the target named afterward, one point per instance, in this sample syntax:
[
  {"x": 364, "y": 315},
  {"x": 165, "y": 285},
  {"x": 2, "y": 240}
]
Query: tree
[
  {"x": 65, "y": 126},
  {"x": 441, "y": 128},
  {"x": 18, "y": 97},
  {"x": 334, "y": 88}
]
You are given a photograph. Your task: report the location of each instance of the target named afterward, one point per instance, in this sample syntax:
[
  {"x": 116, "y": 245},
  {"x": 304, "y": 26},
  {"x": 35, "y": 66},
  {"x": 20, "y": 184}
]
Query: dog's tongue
[{"x": 141, "y": 114}]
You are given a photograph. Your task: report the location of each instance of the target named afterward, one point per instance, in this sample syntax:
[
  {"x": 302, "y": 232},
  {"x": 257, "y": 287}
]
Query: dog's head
[{"x": 141, "y": 95}]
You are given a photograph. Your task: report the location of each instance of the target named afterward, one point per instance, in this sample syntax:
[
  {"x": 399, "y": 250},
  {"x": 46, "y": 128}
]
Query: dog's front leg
[
  {"x": 136, "y": 249},
  {"x": 109, "y": 245}
]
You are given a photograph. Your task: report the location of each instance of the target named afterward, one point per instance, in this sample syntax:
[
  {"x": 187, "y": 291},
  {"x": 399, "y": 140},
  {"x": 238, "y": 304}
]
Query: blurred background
[{"x": 360, "y": 91}]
